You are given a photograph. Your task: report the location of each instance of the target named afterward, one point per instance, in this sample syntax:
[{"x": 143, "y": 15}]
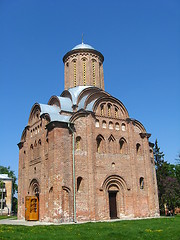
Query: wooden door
[
  {"x": 31, "y": 208},
  {"x": 112, "y": 205}
]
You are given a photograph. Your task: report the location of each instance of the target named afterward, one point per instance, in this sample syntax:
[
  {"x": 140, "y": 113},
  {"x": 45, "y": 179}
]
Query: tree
[
  {"x": 11, "y": 174},
  {"x": 168, "y": 181},
  {"x": 160, "y": 172},
  {"x": 158, "y": 156}
]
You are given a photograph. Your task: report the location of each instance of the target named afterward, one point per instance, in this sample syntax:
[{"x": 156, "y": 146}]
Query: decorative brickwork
[{"x": 82, "y": 155}]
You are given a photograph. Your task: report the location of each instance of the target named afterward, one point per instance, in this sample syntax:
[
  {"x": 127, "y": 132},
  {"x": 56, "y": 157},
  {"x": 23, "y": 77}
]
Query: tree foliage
[
  {"x": 11, "y": 174},
  {"x": 168, "y": 181}
]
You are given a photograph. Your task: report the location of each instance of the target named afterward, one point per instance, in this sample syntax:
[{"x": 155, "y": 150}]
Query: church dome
[
  {"x": 82, "y": 46},
  {"x": 83, "y": 66}
]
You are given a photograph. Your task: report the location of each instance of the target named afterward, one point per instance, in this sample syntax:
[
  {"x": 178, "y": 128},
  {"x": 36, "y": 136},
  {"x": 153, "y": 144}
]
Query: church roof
[
  {"x": 54, "y": 113},
  {"x": 83, "y": 46},
  {"x": 62, "y": 108}
]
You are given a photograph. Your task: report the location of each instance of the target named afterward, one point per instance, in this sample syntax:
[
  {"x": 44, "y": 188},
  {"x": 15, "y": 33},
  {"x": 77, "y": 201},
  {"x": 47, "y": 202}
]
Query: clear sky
[{"x": 139, "y": 39}]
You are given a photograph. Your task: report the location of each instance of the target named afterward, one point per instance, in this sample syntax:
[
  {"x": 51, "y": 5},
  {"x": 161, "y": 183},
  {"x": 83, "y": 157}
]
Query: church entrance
[
  {"x": 112, "y": 204},
  {"x": 31, "y": 208},
  {"x": 32, "y": 202}
]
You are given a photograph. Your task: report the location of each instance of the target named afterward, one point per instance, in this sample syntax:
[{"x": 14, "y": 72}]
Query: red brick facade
[{"x": 113, "y": 160}]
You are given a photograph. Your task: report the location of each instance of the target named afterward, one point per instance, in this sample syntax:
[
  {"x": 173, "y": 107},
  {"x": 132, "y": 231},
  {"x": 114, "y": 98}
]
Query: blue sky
[{"x": 139, "y": 40}]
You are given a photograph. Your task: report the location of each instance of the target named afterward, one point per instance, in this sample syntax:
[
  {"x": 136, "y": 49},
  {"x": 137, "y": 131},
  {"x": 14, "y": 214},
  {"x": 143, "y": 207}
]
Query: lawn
[
  {"x": 7, "y": 217},
  {"x": 163, "y": 228}
]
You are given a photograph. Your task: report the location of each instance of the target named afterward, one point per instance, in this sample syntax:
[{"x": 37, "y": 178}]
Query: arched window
[
  {"x": 102, "y": 110},
  {"x": 109, "y": 110},
  {"x": 116, "y": 112},
  {"x": 141, "y": 182},
  {"x": 99, "y": 142},
  {"x": 79, "y": 183},
  {"x": 117, "y": 126},
  {"x": 123, "y": 146},
  {"x": 138, "y": 149},
  {"x": 123, "y": 127},
  {"x": 97, "y": 123},
  {"x": 78, "y": 143},
  {"x": 110, "y": 125},
  {"x": 104, "y": 124}
]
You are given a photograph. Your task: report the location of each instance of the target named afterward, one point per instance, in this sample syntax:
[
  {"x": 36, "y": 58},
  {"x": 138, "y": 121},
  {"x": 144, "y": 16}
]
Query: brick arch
[
  {"x": 23, "y": 136},
  {"x": 114, "y": 180},
  {"x": 114, "y": 185},
  {"x": 34, "y": 187},
  {"x": 122, "y": 111},
  {"x": 100, "y": 144},
  {"x": 54, "y": 100},
  {"x": 123, "y": 146},
  {"x": 34, "y": 114}
]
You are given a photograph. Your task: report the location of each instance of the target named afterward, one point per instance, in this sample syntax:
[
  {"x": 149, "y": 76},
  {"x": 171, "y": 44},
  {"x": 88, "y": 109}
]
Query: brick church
[{"x": 81, "y": 156}]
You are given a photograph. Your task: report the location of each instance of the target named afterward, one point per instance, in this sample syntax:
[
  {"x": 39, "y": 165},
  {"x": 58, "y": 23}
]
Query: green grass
[
  {"x": 7, "y": 217},
  {"x": 162, "y": 228}
]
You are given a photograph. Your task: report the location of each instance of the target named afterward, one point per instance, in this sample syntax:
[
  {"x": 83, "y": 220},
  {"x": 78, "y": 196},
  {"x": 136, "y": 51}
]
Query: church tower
[{"x": 83, "y": 66}]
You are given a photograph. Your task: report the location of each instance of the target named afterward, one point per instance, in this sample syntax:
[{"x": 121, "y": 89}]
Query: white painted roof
[{"x": 5, "y": 177}]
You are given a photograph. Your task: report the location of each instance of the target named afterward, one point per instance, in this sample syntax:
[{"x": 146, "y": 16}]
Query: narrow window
[
  {"x": 99, "y": 142},
  {"x": 116, "y": 113},
  {"x": 78, "y": 140},
  {"x": 109, "y": 110},
  {"x": 141, "y": 182},
  {"x": 84, "y": 72},
  {"x": 121, "y": 143},
  {"x": 75, "y": 74},
  {"x": 102, "y": 110},
  {"x": 79, "y": 180},
  {"x": 93, "y": 72},
  {"x": 123, "y": 146},
  {"x": 138, "y": 148}
]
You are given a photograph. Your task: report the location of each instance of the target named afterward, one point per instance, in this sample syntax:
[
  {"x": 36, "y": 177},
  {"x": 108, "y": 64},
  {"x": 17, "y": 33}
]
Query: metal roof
[
  {"x": 54, "y": 113},
  {"x": 68, "y": 101},
  {"x": 75, "y": 92},
  {"x": 83, "y": 46},
  {"x": 66, "y": 104}
]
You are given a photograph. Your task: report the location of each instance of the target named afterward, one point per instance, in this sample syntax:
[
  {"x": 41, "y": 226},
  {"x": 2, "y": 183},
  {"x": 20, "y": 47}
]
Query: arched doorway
[
  {"x": 114, "y": 188},
  {"x": 32, "y": 202},
  {"x": 112, "y": 192}
]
